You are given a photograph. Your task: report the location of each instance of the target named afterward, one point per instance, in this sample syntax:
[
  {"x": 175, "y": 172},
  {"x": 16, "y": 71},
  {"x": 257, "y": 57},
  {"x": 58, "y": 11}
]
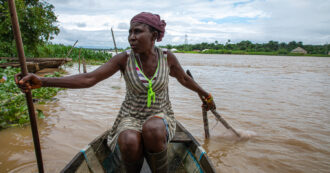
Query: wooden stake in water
[
  {"x": 79, "y": 60},
  {"x": 22, "y": 60},
  {"x": 84, "y": 65},
  {"x": 206, "y": 123}
]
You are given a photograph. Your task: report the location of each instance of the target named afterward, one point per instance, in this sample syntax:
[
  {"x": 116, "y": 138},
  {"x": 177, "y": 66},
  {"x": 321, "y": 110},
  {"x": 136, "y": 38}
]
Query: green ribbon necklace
[{"x": 151, "y": 93}]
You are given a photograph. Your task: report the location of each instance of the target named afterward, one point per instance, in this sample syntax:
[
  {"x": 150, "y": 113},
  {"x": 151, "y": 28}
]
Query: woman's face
[{"x": 140, "y": 38}]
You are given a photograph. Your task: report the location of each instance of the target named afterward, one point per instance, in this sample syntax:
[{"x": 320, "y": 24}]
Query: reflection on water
[{"x": 282, "y": 102}]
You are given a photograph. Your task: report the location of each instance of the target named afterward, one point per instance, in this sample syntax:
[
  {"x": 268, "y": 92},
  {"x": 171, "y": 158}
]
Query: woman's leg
[
  {"x": 131, "y": 149},
  {"x": 154, "y": 136}
]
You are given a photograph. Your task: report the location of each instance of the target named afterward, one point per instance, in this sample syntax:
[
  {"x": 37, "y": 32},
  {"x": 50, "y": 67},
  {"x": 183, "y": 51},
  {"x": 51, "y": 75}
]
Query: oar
[
  {"x": 20, "y": 50},
  {"x": 224, "y": 122},
  {"x": 205, "y": 120},
  {"x": 218, "y": 116}
]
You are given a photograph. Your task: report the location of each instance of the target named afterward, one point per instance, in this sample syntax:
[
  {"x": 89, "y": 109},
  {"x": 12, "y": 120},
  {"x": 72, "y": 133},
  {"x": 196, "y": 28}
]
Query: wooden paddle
[
  {"x": 217, "y": 115},
  {"x": 224, "y": 122},
  {"x": 22, "y": 60}
]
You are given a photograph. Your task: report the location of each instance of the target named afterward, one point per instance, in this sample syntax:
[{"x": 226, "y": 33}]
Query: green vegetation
[
  {"x": 13, "y": 108},
  {"x": 60, "y": 51},
  {"x": 38, "y": 25},
  {"x": 249, "y": 48},
  {"x": 37, "y": 22}
]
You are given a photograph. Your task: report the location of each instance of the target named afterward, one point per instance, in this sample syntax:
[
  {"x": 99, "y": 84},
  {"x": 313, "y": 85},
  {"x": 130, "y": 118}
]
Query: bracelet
[{"x": 209, "y": 98}]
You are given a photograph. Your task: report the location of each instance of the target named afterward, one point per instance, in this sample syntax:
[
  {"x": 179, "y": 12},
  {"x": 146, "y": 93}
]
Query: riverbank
[{"x": 237, "y": 52}]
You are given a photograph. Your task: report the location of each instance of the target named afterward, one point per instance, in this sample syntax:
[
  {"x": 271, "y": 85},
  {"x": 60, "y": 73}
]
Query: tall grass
[{"x": 61, "y": 51}]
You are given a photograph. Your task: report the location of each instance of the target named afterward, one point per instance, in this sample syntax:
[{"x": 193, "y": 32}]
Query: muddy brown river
[{"x": 284, "y": 102}]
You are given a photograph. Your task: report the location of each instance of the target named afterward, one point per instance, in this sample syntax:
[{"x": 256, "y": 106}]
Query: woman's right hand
[
  {"x": 28, "y": 82},
  {"x": 208, "y": 102}
]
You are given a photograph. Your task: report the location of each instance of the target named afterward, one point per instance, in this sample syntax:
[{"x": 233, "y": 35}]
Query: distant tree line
[{"x": 248, "y": 46}]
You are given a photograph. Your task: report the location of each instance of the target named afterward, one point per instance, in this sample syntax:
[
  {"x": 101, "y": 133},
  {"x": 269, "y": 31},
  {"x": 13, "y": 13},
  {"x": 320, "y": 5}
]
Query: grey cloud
[
  {"x": 298, "y": 20},
  {"x": 58, "y": 1},
  {"x": 81, "y": 25},
  {"x": 123, "y": 26}
]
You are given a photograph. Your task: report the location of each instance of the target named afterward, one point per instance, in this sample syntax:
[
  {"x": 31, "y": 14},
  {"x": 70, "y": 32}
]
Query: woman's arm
[
  {"x": 177, "y": 71},
  {"x": 84, "y": 80}
]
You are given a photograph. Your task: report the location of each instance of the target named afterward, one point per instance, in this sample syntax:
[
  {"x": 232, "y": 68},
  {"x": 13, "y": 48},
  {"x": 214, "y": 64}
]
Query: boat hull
[{"x": 184, "y": 154}]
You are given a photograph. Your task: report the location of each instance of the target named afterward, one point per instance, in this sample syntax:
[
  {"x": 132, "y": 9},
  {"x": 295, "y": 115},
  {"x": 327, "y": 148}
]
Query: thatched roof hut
[{"x": 299, "y": 50}]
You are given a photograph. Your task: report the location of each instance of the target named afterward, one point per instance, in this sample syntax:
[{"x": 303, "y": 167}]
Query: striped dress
[{"x": 134, "y": 111}]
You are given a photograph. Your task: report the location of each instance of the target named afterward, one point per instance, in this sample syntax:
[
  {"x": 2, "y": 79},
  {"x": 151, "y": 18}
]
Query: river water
[{"x": 283, "y": 102}]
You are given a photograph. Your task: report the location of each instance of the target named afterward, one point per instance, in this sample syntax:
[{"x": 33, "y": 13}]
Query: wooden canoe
[
  {"x": 184, "y": 152},
  {"x": 35, "y": 64}
]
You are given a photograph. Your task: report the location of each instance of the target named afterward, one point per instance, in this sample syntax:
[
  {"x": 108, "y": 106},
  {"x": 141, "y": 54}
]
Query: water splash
[
  {"x": 229, "y": 135},
  {"x": 246, "y": 134}
]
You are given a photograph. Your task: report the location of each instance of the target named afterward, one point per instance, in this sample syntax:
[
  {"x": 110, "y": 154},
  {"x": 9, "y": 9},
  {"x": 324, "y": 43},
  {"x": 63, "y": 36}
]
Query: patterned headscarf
[{"x": 152, "y": 20}]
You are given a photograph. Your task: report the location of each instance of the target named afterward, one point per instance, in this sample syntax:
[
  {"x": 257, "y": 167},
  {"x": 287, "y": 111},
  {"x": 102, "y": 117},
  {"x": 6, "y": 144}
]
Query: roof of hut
[{"x": 299, "y": 50}]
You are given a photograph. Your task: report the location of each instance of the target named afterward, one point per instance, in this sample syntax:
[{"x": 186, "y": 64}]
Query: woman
[{"x": 145, "y": 123}]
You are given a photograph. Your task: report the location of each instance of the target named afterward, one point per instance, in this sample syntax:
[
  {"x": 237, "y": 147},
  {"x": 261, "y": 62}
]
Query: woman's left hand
[{"x": 208, "y": 102}]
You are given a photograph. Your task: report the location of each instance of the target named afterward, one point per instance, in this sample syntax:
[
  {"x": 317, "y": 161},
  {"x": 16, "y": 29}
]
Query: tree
[
  {"x": 168, "y": 46},
  {"x": 272, "y": 46},
  {"x": 292, "y": 45},
  {"x": 228, "y": 41},
  {"x": 37, "y": 22},
  {"x": 244, "y": 45}
]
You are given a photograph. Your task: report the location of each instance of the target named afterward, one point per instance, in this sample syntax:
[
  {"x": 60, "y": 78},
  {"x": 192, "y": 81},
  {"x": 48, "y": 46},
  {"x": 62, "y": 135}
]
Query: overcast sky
[{"x": 259, "y": 21}]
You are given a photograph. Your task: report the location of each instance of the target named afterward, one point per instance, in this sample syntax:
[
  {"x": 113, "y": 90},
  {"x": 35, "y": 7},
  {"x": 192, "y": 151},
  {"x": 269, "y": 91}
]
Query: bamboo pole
[
  {"x": 71, "y": 49},
  {"x": 79, "y": 60},
  {"x": 205, "y": 119},
  {"x": 84, "y": 65},
  {"x": 20, "y": 50},
  {"x": 114, "y": 41},
  {"x": 206, "y": 124}
]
